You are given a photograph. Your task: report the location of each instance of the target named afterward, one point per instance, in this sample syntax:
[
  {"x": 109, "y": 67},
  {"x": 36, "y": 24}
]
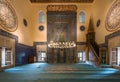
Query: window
[
  {"x": 41, "y": 17},
  {"x": 3, "y": 56},
  {"x": 103, "y": 55},
  {"x": 118, "y": 56},
  {"x": 115, "y": 56},
  {"x": 7, "y": 57},
  {"x": 81, "y": 56},
  {"x": 82, "y": 17},
  {"x": 41, "y": 56}
]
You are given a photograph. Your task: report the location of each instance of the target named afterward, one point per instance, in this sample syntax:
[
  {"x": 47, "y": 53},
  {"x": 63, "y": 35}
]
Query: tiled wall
[{"x": 22, "y": 52}]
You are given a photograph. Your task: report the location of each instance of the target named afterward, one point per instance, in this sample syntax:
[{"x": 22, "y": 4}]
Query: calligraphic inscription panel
[
  {"x": 113, "y": 17},
  {"x": 62, "y": 8},
  {"x": 62, "y": 1}
]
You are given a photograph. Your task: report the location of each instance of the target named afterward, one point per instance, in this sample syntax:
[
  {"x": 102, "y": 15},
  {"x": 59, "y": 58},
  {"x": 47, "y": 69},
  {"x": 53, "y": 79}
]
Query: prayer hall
[{"x": 59, "y": 40}]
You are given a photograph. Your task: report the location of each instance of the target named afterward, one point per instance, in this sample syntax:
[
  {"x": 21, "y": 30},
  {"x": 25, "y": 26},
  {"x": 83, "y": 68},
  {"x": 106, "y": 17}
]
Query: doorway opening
[
  {"x": 81, "y": 56},
  {"x": 115, "y": 56},
  {"x": 41, "y": 56},
  {"x": 6, "y": 57}
]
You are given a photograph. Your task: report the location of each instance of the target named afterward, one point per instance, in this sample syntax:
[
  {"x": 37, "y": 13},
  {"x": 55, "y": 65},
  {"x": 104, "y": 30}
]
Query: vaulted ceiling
[{"x": 62, "y": 1}]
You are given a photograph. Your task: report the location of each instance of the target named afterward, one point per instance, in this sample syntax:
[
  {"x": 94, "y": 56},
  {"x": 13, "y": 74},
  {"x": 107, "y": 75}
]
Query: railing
[
  {"x": 95, "y": 47},
  {"x": 96, "y": 59}
]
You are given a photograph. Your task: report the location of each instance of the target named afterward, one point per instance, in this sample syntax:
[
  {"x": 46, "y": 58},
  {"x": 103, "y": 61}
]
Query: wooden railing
[
  {"x": 95, "y": 59},
  {"x": 95, "y": 47}
]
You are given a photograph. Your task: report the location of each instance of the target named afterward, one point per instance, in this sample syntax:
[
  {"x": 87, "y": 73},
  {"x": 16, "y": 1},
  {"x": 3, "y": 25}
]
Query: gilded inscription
[
  {"x": 62, "y": 1},
  {"x": 62, "y": 8}
]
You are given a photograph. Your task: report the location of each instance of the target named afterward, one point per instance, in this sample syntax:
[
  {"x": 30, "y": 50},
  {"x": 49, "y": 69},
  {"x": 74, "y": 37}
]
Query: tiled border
[
  {"x": 39, "y": 43},
  {"x": 4, "y": 33},
  {"x": 115, "y": 34}
]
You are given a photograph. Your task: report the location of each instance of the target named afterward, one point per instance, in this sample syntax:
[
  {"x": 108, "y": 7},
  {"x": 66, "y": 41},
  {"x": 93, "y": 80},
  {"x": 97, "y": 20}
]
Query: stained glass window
[
  {"x": 8, "y": 19},
  {"x": 41, "y": 17},
  {"x": 82, "y": 17}
]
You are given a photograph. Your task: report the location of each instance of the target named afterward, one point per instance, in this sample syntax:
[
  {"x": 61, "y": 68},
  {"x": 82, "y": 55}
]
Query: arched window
[
  {"x": 82, "y": 17},
  {"x": 41, "y": 17}
]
